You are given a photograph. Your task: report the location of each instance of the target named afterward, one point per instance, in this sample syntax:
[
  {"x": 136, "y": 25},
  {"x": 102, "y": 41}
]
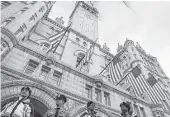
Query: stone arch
[
  {"x": 41, "y": 96},
  {"x": 82, "y": 108},
  {"x": 9, "y": 39},
  {"x": 12, "y": 41}
]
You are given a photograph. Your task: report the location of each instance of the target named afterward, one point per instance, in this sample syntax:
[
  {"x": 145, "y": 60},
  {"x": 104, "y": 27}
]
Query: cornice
[
  {"x": 89, "y": 8},
  {"x": 55, "y": 23},
  {"x": 84, "y": 37},
  {"x": 27, "y": 50}
]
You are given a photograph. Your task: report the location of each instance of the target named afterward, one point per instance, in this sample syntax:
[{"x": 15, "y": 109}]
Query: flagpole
[
  {"x": 106, "y": 66},
  {"x": 86, "y": 53},
  {"x": 62, "y": 38},
  {"x": 80, "y": 61}
]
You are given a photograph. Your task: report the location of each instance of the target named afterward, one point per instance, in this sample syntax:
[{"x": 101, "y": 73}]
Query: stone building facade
[{"x": 25, "y": 30}]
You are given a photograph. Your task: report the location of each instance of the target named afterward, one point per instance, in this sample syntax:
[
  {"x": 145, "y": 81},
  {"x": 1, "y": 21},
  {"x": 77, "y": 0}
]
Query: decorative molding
[
  {"x": 27, "y": 50},
  {"x": 55, "y": 23},
  {"x": 84, "y": 37},
  {"x": 99, "y": 107},
  {"x": 10, "y": 35}
]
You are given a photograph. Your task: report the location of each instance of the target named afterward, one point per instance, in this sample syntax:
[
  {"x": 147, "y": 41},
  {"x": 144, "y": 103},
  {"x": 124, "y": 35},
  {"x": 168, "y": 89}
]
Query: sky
[{"x": 147, "y": 23}]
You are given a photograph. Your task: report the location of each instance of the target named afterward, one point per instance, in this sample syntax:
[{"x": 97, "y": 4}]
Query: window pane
[
  {"x": 107, "y": 98},
  {"x": 31, "y": 67},
  {"x": 98, "y": 95},
  {"x": 57, "y": 77},
  {"x": 89, "y": 91}
]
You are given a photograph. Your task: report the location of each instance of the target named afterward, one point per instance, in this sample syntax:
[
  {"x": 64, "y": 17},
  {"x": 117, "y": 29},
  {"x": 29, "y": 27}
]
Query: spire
[
  {"x": 120, "y": 48},
  {"x": 105, "y": 47},
  {"x": 139, "y": 47},
  {"x": 128, "y": 43}
]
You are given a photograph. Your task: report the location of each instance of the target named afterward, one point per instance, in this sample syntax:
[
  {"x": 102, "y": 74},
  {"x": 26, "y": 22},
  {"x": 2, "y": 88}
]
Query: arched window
[{"x": 79, "y": 58}]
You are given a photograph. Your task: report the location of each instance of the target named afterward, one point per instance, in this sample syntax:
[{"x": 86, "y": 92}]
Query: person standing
[
  {"x": 21, "y": 107},
  {"x": 59, "y": 111},
  {"x": 126, "y": 110},
  {"x": 90, "y": 112}
]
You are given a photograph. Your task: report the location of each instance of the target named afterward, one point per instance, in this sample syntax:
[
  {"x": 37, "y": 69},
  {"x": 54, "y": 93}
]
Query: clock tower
[{"x": 84, "y": 20}]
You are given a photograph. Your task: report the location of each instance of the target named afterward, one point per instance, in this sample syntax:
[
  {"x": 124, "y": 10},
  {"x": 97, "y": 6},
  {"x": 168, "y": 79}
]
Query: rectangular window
[
  {"x": 136, "y": 110},
  {"x": 44, "y": 71},
  {"x": 89, "y": 91},
  {"x": 98, "y": 96},
  {"x": 32, "y": 65},
  {"x": 57, "y": 77},
  {"x": 142, "y": 112},
  {"x": 107, "y": 99}
]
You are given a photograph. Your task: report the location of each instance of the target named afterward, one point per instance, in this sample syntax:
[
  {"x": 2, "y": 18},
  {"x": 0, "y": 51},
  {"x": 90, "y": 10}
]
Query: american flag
[
  {"x": 142, "y": 85},
  {"x": 114, "y": 69},
  {"x": 56, "y": 39}
]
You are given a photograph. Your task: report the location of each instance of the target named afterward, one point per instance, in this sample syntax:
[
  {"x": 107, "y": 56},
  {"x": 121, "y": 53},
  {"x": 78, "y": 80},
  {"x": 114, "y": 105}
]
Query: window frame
[
  {"x": 57, "y": 76},
  {"x": 98, "y": 97},
  {"x": 107, "y": 99},
  {"x": 45, "y": 69},
  {"x": 88, "y": 88},
  {"x": 35, "y": 65}
]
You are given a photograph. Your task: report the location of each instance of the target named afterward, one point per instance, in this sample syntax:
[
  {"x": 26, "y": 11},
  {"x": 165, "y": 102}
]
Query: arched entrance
[
  {"x": 102, "y": 112},
  {"x": 41, "y": 97}
]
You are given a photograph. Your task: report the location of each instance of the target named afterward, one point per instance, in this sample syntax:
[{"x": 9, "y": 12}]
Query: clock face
[{"x": 86, "y": 23}]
